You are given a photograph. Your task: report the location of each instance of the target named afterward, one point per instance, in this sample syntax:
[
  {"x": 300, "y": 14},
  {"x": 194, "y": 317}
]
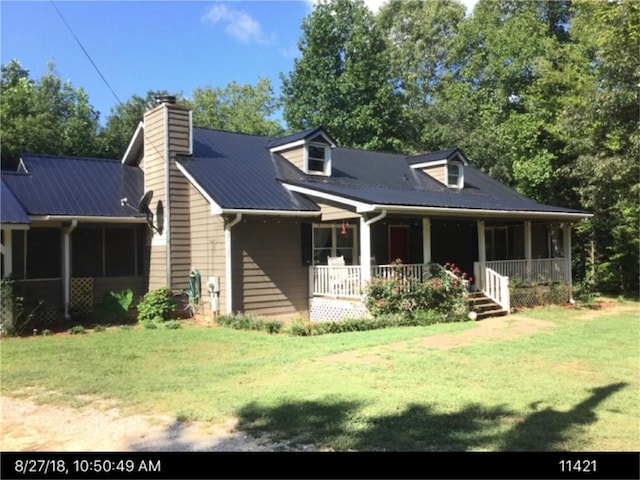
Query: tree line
[{"x": 541, "y": 95}]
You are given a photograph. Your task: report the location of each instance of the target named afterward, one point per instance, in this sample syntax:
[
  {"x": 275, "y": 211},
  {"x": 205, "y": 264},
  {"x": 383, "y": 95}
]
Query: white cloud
[{"x": 238, "y": 24}]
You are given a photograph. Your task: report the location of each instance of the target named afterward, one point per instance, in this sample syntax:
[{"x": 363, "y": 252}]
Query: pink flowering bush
[{"x": 441, "y": 292}]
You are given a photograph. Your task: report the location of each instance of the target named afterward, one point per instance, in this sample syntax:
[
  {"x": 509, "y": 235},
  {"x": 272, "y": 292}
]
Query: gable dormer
[
  {"x": 446, "y": 166},
  {"x": 310, "y": 151}
]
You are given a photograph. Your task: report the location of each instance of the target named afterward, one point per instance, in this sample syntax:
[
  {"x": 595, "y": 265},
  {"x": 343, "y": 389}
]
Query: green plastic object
[{"x": 194, "y": 286}]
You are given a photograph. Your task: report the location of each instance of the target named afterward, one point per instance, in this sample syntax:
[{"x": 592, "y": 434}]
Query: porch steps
[{"x": 484, "y": 306}]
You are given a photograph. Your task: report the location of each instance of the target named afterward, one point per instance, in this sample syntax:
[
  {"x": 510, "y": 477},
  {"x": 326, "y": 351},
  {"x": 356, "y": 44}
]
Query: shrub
[
  {"x": 156, "y": 305},
  {"x": 150, "y": 324},
  {"x": 443, "y": 292},
  {"x": 273, "y": 326},
  {"x": 173, "y": 325},
  {"x": 115, "y": 305},
  {"x": 19, "y": 309},
  {"x": 77, "y": 330},
  {"x": 46, "y": 332},
  {"x": 241, "y": 322},
  {"x": 97, "y": 328},
  {"x": 299, "y": 328}
]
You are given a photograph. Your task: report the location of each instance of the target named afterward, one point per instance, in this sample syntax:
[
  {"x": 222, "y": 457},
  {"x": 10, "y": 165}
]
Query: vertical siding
[
  {"x": 268, "y": 276},
  {"x": 207, "y": 245},
  {"x": 295, "y": 156}
]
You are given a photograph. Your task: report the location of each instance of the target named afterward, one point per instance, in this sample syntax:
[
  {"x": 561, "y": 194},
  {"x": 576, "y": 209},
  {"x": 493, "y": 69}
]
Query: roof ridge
[
  {"x": 268, "y": 137},
  {"x": 70, "y": 157}
]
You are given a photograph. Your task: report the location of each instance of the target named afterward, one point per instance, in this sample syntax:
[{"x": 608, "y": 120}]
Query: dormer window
[
  {"x": 455, "y": 177},
  {"x": 318, "y": 159},
  {"x": 446, "y": 166}
]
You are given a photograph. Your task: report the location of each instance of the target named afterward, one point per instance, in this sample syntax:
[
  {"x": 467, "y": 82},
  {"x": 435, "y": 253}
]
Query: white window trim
[
  {"x": 327, "y": 159},
  {"x": 334, "y": 239},
  {"x": 460, "y": 168}
]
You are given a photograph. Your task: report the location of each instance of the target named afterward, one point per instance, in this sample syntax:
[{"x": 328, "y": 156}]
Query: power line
[{"x": 86, "y": 53}]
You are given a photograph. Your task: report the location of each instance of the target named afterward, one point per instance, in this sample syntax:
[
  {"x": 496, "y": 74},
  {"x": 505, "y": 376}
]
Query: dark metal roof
[
  {"x": 237, "y": 171},
  {"x": 434, "y": 156},
  {"x": 55, "y": 185},
  {"x": 386, "y": 179},
  {"x": 11, "y": 211},
  {"x": 309, "y": 133}
]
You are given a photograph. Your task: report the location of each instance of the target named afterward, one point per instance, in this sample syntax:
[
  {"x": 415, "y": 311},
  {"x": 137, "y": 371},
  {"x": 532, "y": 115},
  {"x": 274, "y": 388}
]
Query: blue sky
[{"x": 142, "y": 45}]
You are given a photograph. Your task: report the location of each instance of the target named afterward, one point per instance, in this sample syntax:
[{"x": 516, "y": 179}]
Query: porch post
[
  {"x": 482, "y": 253},
  {"x": 365, "y": 250},
  {"x": 6, "y": 251},
  {"x": 426, "y": 240},
  {"x": 527, "y": 247},
  {"x": 66, "y": 266},
  {"x": 566, "y": 241}
]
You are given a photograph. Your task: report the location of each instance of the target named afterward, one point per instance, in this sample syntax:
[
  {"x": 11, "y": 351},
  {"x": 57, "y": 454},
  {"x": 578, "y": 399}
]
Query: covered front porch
[{"x": 492, "y": 252}]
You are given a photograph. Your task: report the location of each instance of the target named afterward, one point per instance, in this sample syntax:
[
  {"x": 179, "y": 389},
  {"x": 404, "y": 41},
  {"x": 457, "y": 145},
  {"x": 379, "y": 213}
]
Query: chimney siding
[{"x": 158, "y": 143}]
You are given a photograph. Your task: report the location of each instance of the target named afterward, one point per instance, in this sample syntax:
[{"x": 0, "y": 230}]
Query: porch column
[
  {"x": 482, "y": 253},
  {"x": 6, "y": 251},
  {"x": 365, "y": 250},
  {"x": 426, "y": 240},
  {"x": 228, "y": 271},
  {"x": 527, "y": 247},
  {"x": 566, "y": 244}
]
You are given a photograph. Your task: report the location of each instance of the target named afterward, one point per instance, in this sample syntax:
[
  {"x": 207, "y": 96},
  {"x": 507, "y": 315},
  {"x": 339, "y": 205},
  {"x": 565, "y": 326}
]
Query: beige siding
[
  {"x": 438, "y": 172},
  {"x": 295, "y": 156},
  {"x": 268, "y": 276},
  {"x": 207, "y": 245},
  {"x": 332, "y": 212},
  {"x": 177, "y": 219}
]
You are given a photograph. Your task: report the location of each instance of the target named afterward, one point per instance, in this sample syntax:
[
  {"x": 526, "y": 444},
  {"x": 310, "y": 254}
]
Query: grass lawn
[{"x": 571, "y": 386}]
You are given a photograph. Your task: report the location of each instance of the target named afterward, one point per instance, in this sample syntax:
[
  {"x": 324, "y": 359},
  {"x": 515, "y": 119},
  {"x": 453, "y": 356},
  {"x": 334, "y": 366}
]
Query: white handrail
[
  {"x": 495, "y": 286},
  {"x": 337, "y": 281}
]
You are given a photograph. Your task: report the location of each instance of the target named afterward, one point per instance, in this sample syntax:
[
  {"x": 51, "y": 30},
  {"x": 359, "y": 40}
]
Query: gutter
[
  {"x": 373, "y": 220},
  {"x": 66, "y": 218}
]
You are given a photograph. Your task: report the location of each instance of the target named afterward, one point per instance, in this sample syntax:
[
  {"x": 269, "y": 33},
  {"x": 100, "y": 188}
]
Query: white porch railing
[
  {"x": 336, "y": 281},
  {"x": 544, "y": 270},
  {"x": 494, "y": 285},
  {"x": 418, "y": 271}
]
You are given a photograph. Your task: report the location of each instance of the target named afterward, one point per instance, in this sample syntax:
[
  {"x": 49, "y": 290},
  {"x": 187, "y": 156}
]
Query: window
[
  {"x": 37, "y": 253},
  {"x": 454, "y": 175},
  {"x": 334, "y": 241},
  {"x": 318, "y": 158},
  {"x": 107, "y": 252},
  {"x": 86, "y": 252}
]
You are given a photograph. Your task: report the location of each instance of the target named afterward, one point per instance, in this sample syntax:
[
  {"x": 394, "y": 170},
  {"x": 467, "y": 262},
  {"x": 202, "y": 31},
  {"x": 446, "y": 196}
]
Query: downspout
[
  {"x": 167, "y": 182},
  {"x": 227, "y": 252},
  {"x": 66, "y": 281},
  {"x": 373, "y": 220}
]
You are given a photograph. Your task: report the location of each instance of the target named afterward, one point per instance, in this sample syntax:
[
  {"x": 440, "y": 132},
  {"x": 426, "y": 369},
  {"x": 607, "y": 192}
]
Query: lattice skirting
[
  {"x": 334, "y": 310},
  {"x": 81, "y": 294},
  {"x": 526, "y": 297}
]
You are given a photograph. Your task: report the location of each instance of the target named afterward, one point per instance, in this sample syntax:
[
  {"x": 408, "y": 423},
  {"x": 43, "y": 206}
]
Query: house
[{"x": 260, "y": 217}]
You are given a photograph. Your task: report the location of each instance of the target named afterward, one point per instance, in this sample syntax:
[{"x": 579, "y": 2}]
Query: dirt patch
[{"x": 29, "y": 426}]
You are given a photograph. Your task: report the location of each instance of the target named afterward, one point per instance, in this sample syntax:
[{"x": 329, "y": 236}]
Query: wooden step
[{"x": 484, "y": 306}]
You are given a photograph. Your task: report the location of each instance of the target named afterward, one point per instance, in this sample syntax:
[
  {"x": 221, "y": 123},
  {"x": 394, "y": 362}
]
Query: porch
[{"x": 348, "y": 282}]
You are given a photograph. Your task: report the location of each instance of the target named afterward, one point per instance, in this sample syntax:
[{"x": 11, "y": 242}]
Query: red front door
[{"x": 398, "y": 243}]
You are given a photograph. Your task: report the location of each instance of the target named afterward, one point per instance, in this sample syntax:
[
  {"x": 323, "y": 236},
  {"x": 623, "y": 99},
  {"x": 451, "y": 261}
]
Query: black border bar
[{"x": 301, "y": 465}]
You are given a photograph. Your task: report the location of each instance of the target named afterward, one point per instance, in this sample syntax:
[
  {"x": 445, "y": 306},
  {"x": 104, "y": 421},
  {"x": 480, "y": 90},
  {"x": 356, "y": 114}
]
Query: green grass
[{"x": 570, "y": 387}]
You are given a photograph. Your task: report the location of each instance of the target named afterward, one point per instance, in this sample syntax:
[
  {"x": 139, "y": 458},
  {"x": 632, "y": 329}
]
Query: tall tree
[
  {"x": 420, "y": 36},
  {"x": 122, "y": 123},
  {"x": 341, "y": 80},
  {"x": 237, "y": 108},
  {"x": 500, "y": 101},
  {"x": 44, "y": 116},
  {"x": 600, "y": 127}
]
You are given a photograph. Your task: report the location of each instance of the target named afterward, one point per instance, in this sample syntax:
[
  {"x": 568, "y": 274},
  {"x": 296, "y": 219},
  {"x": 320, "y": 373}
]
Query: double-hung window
[
  {"x": 318, "y": 158},
  {"x": 454, "y": 175},
  {"x": 334, "y": 241}
]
